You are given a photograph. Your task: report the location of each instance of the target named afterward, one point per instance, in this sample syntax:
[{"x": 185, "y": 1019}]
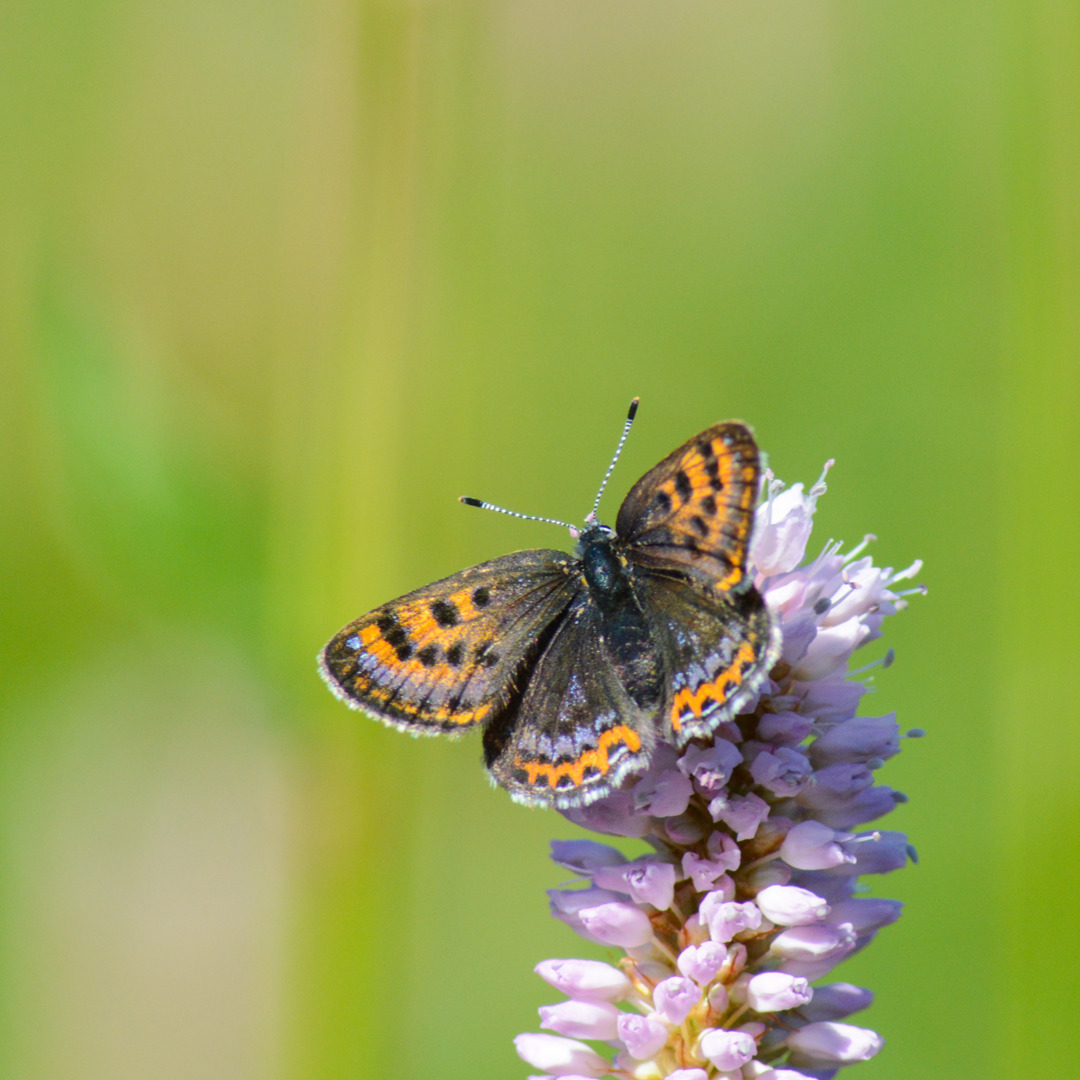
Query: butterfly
[{"x": 577, "y": 665}]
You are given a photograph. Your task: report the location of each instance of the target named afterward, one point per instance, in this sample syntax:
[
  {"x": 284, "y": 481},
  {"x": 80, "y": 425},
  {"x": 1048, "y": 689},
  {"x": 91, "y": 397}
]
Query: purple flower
[
  {"x": 788, "y": 905},
  {"x": 747, "y": 893},
  {"x": 589, "y": 979},
  {"x": 617, "y": 924},
  {"x": 831, "y": 1041},
  {"x": 560, "y": 1056},
  {"x": 727, "y": 1049},
  {"x": 675, "y": 997},
  {"x": 581, "y": 1019},
  {"x": 642, "y": 1036},
  {"x": 774, "y": 991},
  {"x": 648, "y": 881}
]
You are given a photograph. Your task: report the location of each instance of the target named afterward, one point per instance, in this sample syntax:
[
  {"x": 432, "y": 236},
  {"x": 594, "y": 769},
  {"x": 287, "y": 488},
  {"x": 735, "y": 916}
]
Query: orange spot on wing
[
  {"x": 472, "y": 716},
  {"x": 419, "y": 623},
  {"x": 463, "y": 601},
  {"x": 597, "y": 758},
  {"x": 693, "y": 701}
]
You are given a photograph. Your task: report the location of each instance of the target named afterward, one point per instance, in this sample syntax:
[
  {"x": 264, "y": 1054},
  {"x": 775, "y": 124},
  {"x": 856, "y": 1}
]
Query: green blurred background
[{"x": 279, "y": 281}]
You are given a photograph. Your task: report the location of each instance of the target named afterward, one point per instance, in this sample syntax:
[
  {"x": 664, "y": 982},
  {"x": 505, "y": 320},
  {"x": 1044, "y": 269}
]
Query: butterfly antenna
[
  {"x": 513, "y": 513},
  {"x": 631, "y": 413}
]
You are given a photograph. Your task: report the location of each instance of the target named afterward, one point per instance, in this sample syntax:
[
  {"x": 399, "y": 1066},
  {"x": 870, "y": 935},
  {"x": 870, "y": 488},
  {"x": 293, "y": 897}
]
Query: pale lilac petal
[
  {"x": 788, "y": 905},
  {"x": 837, "y": 1000},
  {"x": 783, "y": 771},
  {"x": 831, "y": 649},
  {"x": 774, "y": 991},
  {"x": 571, "y": 901},
  {"x": 584, "y": 856},
  {"x": 821, "y": 941},
  {"x": 688, "y": 1074},
  {"x": 703, "y": 873},
  {"x": 617, "y": 924},
  {"x": 832, "y": 699},
  {"x": 647, "y": 880},
  {"x": 830, "y": 1040},
  {"x": 782, "y": 528},
  {"x": 710, "y": 767},
  {"x": 567, "y": 904},
  {"x": 784, "y": 727},
  {"x": 560, "y": 1056},
  {"x": 870, "y": 913},
  {"x": 581, "y": 1019},
  {"x": 614, "y": 814},
  {"x": 674, "y": 997},
  {"x": 702, "y": 962},
  {"x": 723, "y": 848},
  {"x": 727, "y": 919},
  {"x": 835, "y": 786},
  {"x": 727, "y": 1050},
  {"x": 666, "y": 795},
  {"x": 740, "y": 813},
  {"x": 857, "y": 740},
  {"x": 589, "y": 979},
  {"x": 868, "y": 805},
  {"x": 643, "y": 1036},
  {"x": 879, "y": 852},
  {"x": 813, "y": 846}
]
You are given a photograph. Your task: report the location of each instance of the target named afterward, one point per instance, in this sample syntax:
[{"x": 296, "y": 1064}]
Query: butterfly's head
[{"x": 593, "y": 535}]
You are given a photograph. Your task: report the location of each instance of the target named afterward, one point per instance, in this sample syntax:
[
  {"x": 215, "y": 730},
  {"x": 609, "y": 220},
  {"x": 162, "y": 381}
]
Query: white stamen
[{"x": 859, "y": 548}]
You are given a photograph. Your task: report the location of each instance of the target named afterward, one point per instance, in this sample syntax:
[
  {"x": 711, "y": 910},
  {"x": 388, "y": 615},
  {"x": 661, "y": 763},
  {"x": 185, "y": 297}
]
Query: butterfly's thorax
[{"x": 604, "y": 568}]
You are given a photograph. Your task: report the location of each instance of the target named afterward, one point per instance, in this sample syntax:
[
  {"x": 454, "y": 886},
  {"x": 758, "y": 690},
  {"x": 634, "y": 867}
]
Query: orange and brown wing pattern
[
  {"x": 694, "y": 511},
  {"x": 451, "y": 655}
]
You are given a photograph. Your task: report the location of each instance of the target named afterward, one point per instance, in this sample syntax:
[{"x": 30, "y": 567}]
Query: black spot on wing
[
  {"x": 428, "y": 655},
  {"x": 683, "y": 485},
  {"x": 481, "y": 597},
  {"x": 455, "y": 654},
  {"x": 444, "y": 613}
]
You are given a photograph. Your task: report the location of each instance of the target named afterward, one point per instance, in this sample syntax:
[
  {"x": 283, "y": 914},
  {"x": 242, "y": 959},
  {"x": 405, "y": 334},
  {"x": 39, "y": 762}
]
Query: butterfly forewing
[
  {"x": 694, "y": 510},
  {"x": 449, "y": 655}
]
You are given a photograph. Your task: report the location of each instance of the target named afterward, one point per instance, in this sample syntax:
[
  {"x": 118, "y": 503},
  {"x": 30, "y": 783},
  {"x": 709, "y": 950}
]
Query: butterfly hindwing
[
  {"x": 695, "y": 509},
  {"x": 585, "y": 720},
  {"x": 450, "y": 655},
  {"x": 718, "y": 648}
]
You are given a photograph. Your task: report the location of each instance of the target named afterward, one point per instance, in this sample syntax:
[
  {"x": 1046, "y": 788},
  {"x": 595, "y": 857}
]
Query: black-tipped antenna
[
  {"x": 513, "y": 513},
  {"x": 631, "y": 413}
]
